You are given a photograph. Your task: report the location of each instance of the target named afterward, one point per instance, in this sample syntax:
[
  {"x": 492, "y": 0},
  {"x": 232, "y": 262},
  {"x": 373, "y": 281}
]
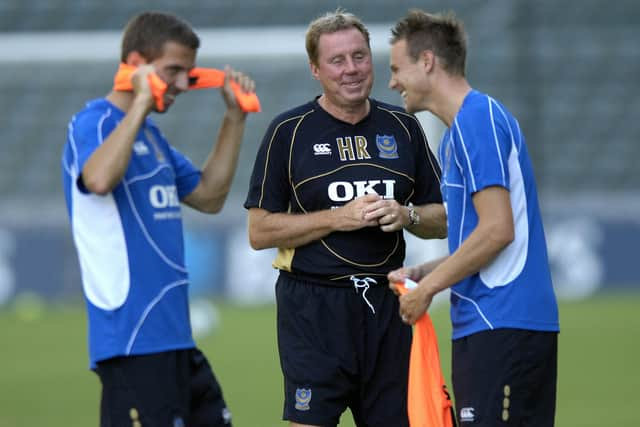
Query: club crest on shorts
[
  {"x": 303, "y": 397},
  {"x": 387, "y": 147}
]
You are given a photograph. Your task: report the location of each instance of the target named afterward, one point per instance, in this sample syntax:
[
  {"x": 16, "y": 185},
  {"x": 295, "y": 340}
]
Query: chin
[
  {"x": 355, "y": 100},
  {"x": 409, "y": 108}
]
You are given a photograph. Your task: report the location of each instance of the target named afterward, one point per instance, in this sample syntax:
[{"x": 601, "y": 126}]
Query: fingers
[
  {"x": 360, "y": 205},
  {"x": 397, "y": 276},
  {"x": 388, "y": 213},
  {"x": 406, "y": 317},
  {"x": 141, "y": 84},
  {"x": 413, "y": 305},
  {"x": 139, "y": 79},
  {"x": 351, "y": 216},
  {"x": 246, "y": 83}
]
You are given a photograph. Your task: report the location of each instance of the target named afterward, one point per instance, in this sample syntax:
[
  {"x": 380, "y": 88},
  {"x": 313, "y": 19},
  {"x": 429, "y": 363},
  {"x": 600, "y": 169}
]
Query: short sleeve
[
  {"x": 269, "y": 185},
  {"x": 90, "y": 129},
  {"x": 483, "y": 146}
]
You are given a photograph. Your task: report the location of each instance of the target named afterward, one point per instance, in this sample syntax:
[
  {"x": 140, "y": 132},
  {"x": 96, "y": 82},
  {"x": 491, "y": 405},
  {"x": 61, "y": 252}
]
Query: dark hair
[
  {"x": 148, "y": 32},
  {"x": 443, "y": 34},
  {"x": 331, "y": 22}
]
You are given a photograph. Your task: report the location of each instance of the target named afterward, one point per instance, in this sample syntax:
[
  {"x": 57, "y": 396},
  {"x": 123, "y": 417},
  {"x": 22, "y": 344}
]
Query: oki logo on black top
[{"x": 344, "y": 191}]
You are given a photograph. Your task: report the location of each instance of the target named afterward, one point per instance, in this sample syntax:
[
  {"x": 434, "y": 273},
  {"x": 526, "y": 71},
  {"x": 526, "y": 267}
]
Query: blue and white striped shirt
[
  {"x": 485, "y": 147},
  {"x": 130, "y": 242}
]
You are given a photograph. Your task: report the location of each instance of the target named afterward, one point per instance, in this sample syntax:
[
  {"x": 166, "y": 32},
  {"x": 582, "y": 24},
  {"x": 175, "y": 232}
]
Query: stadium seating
[{"x": 568, "y": 72}]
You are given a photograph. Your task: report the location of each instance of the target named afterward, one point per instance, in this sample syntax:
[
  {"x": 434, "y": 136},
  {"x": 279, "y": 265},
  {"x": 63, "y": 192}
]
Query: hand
[
  {"x": 390, "y": 214},
  {"x": 141, "y": 85},
  {"x": 352, "y": 215},
  {"x": 415, "y": 303},
  {"x": 245, "y": 83},
  {"x": 397, "y": 276}
]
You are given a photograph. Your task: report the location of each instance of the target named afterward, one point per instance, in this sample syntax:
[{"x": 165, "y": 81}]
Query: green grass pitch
[{"x": 44, "y": 379}]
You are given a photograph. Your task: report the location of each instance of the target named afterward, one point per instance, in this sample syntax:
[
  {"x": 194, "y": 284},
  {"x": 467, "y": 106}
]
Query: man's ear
[
  {"x": 136, "y": 59},
  {"x": 428, "y": 59},
  {"x": 314, "y": 70}
]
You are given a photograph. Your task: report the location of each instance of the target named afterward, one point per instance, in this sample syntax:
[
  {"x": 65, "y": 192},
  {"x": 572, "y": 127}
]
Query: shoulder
[
  {"x": 478, "y": 103},
  {"x": 386, "y": 107},
  {"x": 481, "y": 111},
  {"x": 97, "y": 113},
  {"x": 293, "y": 114},
  {"x": 396, "y": 111}
]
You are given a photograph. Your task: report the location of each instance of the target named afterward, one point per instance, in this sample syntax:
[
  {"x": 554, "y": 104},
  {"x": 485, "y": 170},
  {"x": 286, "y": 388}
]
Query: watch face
[{"x": 413, "y": 217}]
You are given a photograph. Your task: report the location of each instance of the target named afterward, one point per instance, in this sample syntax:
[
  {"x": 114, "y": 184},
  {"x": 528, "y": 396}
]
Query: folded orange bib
[
  {"x": 199, "y": 78},
  {"x": 428, "y": 401}
]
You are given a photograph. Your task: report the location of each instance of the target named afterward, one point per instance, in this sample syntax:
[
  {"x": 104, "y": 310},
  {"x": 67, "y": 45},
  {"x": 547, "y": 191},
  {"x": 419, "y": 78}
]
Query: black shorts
[
  {"x": 505, "y": 377},
  {"x": 342, "y": 348},
  {"x": 172, "y": 389}
]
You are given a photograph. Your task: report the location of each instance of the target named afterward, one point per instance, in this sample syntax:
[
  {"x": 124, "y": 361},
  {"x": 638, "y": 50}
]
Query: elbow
[
  {"x": 256, "y": 242},
  {"x": 507, "y": 239},
  {"x": 213, "y": 208},
  {"x": 257, "y": 239},
  {"x": 211, "y": 205},
  {"x": 97, "y": 186},
  {"x": 258, "y": 229},
  {"x": 441, "y": 230},
  {"x": 502, "y": 237},
  {"x": 441, "y": 221}
]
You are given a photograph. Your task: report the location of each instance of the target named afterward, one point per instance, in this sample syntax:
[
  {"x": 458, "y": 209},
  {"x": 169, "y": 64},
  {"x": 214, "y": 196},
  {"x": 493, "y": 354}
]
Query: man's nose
[
  {"x": 182, "y": 81},
  {"x": 392, "y": 83},
  {"x": 351, "y": 65}
]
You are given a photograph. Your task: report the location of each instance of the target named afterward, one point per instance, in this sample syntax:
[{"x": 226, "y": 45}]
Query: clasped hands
[{"x": 374, "y": 210}]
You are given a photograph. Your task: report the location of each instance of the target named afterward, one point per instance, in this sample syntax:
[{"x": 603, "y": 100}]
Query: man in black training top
[{"x": 335, "y": 183}]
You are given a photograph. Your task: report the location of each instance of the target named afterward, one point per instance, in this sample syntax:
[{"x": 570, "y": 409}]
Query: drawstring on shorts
[{"x": 364, "y": 283}]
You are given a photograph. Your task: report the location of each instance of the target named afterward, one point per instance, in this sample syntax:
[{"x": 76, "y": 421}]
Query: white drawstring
[{"x": 364, "y": 283}]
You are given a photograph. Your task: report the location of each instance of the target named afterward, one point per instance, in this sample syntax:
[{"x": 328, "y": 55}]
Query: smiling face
[
  {"x": 409, "y": 77},
  {"x": 173, "y": 67},
  {"x": 344, "y": 68}
]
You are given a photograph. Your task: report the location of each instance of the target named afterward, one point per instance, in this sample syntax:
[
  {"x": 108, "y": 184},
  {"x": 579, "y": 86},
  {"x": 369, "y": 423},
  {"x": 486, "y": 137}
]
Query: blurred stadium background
[{"x": 568, "y": 70}]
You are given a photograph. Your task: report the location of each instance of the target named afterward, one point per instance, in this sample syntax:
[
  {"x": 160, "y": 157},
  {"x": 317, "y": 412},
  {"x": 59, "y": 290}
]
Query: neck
[
  {"x": 448, "y": 99},
  {"x": 347, "y": 113},
  {"x": 122, "y": 100}
]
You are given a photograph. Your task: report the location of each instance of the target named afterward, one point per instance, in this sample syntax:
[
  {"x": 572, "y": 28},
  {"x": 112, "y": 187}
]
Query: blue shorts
[
  {"x": 505, "y": 377},
  {"x": 173, "y": 389},
  {"x": 342, "y": 347}
]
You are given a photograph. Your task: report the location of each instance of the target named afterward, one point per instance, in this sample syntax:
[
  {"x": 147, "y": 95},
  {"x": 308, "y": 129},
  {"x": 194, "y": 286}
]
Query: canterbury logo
[
  {"x": 140, "y": 148},
  {"x": 321, "y": 149},
  {"x": 467, "y": 415}
]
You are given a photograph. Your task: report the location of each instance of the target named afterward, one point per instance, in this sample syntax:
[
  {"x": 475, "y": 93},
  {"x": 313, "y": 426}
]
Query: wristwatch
[{"x": 414, "y": 218}]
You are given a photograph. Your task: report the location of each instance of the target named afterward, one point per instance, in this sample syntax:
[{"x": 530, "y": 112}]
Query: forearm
[
  {"x": 108, "y": 163},
  {"x": 220, "y": 166},
  {"x": 419, "y": 271},
  {"x": 284, "y": 230},
  {"x": 493, "y": 233},
  {"x": 475, "y": 253},
  {"x": 433, "y": 222}
]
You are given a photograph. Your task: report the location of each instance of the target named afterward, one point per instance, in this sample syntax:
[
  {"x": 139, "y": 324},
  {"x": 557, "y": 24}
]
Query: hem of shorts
[
  {"x": 93, "y": 363},
  {"x": 539, "y": 327},
  {"x": 325, "y": 422}
]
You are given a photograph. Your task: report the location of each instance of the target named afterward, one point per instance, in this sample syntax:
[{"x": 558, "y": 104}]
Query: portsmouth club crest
[
  {"x": 303, "y": 397},
  {"x": 387, "y": 147}
]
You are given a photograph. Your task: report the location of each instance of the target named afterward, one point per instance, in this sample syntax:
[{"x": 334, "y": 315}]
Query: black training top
[{"x": 310, "y": 161}]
